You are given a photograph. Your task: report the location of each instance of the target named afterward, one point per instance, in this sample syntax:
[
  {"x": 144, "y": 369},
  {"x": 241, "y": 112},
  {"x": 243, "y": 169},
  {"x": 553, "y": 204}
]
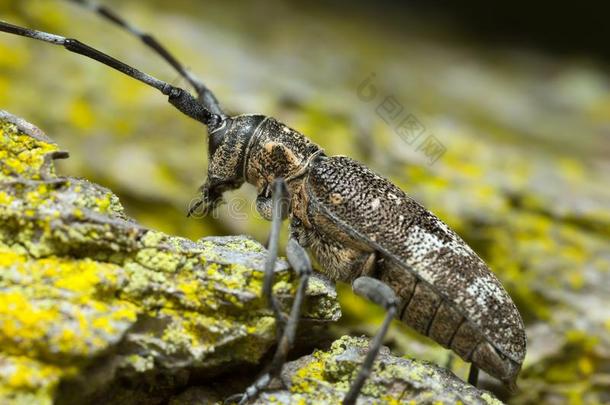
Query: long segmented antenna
[
  {"x": 178, "y": 97},
  {"x": 206, "y": 97}
]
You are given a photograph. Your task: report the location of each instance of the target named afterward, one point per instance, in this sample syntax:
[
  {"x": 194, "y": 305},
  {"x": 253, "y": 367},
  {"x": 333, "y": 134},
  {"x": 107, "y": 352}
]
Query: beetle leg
[
  {"x": 299, "y": 261},
  {"x": 473, "y": 375},
  {"x": 379, "y": 293},
  {"x": 279, "y": 213}
]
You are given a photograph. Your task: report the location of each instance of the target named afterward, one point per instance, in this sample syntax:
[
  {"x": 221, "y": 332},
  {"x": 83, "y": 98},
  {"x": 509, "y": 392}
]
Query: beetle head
[{"x": 227, "y": 148}]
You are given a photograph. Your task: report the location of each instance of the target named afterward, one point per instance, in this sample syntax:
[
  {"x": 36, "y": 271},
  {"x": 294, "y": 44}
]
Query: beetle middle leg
[{"x": 382, "y": 295}]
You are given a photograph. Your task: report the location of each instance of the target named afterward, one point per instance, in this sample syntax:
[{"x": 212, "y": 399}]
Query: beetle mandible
[{"x": 360, "y": 227}]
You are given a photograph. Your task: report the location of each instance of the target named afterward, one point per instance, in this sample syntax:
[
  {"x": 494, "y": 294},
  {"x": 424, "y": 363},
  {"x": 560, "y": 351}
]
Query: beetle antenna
[
  {"x": 178, "y": 97},
  {"x": 205, "y": 95}
]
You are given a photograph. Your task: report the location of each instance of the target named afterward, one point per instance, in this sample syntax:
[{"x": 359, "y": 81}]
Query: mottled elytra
[{"x": 360, "y": 227}]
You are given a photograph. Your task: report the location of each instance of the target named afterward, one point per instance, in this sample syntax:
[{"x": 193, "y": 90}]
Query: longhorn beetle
[{"x": 360, "y": 227}]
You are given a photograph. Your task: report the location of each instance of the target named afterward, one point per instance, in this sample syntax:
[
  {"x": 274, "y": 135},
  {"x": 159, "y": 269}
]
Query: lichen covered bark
[
  {"x": 324, "y": 378},
  {"x": 88, "y": 296},
  {"x": 326, "y": 375}
]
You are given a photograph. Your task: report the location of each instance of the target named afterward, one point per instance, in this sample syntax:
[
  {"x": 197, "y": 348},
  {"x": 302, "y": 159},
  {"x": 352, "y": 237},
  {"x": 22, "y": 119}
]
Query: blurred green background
[{"x": 525, "y": 127}]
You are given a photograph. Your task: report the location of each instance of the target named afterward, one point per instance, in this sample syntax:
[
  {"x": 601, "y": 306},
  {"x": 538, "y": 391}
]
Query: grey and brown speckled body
[
  {"x": 447, "y": 292},
  {"x": 358, "y": 223}
]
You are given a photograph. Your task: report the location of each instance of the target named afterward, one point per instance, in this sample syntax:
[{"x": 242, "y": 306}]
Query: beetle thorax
[
  {"x": 277, "y": 151},
  {"x": 256, "y": 149}
]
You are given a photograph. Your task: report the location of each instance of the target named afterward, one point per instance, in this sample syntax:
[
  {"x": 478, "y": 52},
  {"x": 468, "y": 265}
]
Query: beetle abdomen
[
  {"x": 447, "y": 291},
  {"x": 427, "y": 312}
]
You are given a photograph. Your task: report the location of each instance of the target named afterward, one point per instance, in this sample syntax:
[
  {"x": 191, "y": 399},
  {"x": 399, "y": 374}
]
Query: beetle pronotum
[{"x": 359, "y": 226}]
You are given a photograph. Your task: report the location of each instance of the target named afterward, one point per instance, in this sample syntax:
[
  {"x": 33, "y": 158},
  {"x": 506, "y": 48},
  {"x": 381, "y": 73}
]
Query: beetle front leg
[
  {"x": 279, "y": 213},
  {"x": 381, "y": 294},
  {"x": 299, "y": 261}
]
